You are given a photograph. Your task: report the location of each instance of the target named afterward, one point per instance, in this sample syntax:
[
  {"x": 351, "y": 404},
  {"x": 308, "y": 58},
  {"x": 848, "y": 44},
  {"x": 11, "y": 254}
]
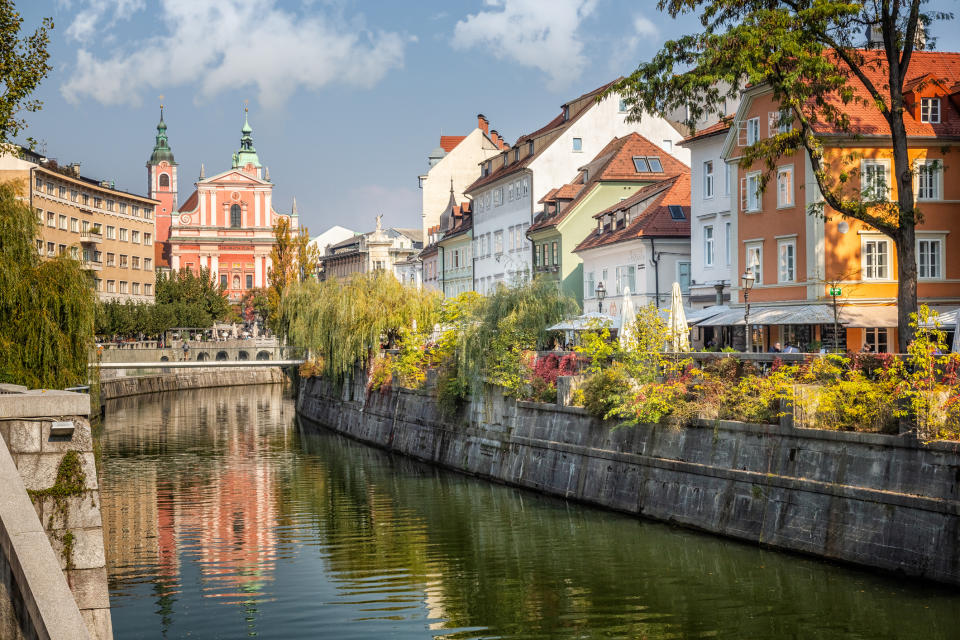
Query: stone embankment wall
[
  {"x": 53, "y": 566},
  {"x": 179, "y": 379},
  {"x": 886, "y": 502}
]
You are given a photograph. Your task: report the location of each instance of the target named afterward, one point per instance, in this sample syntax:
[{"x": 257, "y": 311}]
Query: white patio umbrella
[
  {"x": 955, "y": 347},
  {"x": 628, "y": 315},
  {"x": 679, "y": 331}
]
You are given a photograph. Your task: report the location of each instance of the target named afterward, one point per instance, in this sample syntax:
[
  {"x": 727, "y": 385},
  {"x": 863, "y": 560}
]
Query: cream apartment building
[{"x": 110, "y": 231}]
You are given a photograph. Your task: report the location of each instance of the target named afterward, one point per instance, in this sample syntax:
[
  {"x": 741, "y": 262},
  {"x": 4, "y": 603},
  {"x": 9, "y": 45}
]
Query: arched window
[
  {"x": 235, "y": 216},
  {"x": 164, "y": 180},
  {"x": 236, "y": 282}
]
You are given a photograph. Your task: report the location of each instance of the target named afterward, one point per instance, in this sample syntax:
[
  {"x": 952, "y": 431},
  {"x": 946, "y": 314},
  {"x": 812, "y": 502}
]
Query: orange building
[{"x": 797, "y": 256}]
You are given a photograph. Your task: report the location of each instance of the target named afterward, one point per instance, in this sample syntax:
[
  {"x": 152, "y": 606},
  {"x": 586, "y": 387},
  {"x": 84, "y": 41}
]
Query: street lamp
[
  {"x": 746, "y": 282},
  {"x": 601, "y": 294}
]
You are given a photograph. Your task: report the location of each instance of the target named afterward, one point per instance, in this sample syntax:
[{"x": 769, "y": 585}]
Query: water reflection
[{"x": 222, "y": 521}]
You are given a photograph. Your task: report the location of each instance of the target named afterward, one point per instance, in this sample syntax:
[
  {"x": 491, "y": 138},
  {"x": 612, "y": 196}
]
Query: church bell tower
[{"x": 162, "y": 186}]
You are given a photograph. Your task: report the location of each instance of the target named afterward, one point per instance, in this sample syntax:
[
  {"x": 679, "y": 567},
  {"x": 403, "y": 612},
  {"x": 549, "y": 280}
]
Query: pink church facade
[{"x": 226, "y": 225}]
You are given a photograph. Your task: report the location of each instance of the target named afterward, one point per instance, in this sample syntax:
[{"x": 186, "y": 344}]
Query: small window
[
  {"x": 753, "y": 131},
  {"x": 530, "y": 148},
  {"x": 111, "y": 233},
  {"x": 655, "y": 165},
  {"x": 123, "y": 234},
  {"x": 787, "y": 265},
  {"x": 164, "y": 180},
  {"x": 516, "y": 154},
  {"x": 148, "y": 239},
  {"x": 640, "y": 164},
  {"x": 929, "y": 174},
  {"x": 235, "y": 216},
  {"x": 578, "y": 144},
  {"x": 123, "y": 207},
  {"x": 136, "y": 288},
  {"x": 708, "y": 246},
  {"x": 755, "y": 262},
  {"x": 786, "y": 121},
  {"x": 930, "y": 110},
  {"x": 74, "y": 225},
  {"x": 63, "y": 222},
  {"x": 147, "y": 289},
  {"x": 148, "y": 264},
  {"x": 676, "y": 212},
  {"x": 123, "y": 286},
  {"x": 223, "y": 281},
  {"x": 111, "y": 286},
  {"x": 930, "y": 258},
  {"x": 876, "y": 259},
  {"x": 623, "y": 106},
  {"x": 785, "y": 187},
  {"x": 135, "y": 236},
  {"x": 875, "y": 183},
  {"x": 708, "y": 179},
  {"x": 667, "y": 145},
  {"x": 750, "y": 192}
]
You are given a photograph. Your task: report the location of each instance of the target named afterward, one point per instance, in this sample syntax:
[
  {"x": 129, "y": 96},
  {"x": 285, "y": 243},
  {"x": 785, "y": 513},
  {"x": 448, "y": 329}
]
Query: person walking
[{"x": 186, "y": 350}]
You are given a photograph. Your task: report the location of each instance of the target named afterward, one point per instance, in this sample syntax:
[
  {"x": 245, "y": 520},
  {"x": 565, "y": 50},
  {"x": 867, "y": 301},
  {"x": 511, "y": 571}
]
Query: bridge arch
[
  {"x": 203, "y": 355},
  {"x": 243, "y": 355},
  {"x": 263, "y": 355},
  {"x": 221, "y": 355}
]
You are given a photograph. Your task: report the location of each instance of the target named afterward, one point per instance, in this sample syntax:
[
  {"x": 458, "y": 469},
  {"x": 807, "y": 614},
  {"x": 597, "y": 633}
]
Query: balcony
[
  {"x": 90, "y": 237},
  {"x": 93, "y": 264}
]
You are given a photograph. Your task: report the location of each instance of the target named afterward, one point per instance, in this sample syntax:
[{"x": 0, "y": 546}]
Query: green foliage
[
  {"x": 196, "y": 299},
  {"x": 595, "y": 347},
  {"x": 23, "y": 65},
  {"x": 347, "y": 321},
  {"x": 499, "y": 331},
  {"x": 380, "y": 376},
  {"x": 46, "y": 308},
  {"x": 452, "y": 392},
  {"x": 604, "y": 392}
]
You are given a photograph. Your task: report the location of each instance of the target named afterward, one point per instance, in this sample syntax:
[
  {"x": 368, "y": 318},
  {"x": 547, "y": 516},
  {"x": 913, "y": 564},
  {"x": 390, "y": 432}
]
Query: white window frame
[
  {"x": 753, "y": 131},
  {"x": 754, "y": 247},
  {"x": 728, "y": 235},
  {"x": 577, "y": 145},
  {"x": 786, "y": 271},
  {"x": 925, "y": 168},
  {"x": 930, "y": 110},
  {"x": 873, "y": 273},
  {"x": 708, "y": 180},
  {"x": 709, "y": 243},
  {"x": 864, "y": 186},
  {"x": 745, "y": 192},
  {"x": 940, "y": 240},
  {"x": 782, "y": 201}
]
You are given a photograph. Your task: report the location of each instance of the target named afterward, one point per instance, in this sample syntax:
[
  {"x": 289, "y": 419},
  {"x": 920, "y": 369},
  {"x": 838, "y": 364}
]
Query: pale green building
[{"x": 623, "y": 167}]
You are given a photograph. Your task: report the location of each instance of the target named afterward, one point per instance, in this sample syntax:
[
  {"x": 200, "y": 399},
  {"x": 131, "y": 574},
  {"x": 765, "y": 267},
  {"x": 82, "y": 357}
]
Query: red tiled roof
[
  {"x": 613, "y": 163},
  {"x": 448, "y": 143},
  {"x": 568, "y": 192},
  {"x": 866, "y": 119},
  {"x": 548, "y": 197},
  {"x": 720, "y": 127},
  {"x": 654, "y": 220}
]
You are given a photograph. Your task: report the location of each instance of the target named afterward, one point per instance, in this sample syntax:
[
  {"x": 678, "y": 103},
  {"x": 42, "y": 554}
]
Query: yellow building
[{"x": 110, "y": 231}]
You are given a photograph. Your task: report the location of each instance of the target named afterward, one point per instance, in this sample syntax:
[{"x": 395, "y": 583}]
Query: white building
[
  {"x": 333, "y": 235},
  {"x": 641, "y": 243},
  {"x": 454, "y": 164},
  {"x": 511, "y": 183}
]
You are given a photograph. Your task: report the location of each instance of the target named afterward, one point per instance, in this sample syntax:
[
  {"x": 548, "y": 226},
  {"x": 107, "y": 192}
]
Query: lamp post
[
  {"x": 601, "y": 294},
  {"x": 746, "y": 282}
]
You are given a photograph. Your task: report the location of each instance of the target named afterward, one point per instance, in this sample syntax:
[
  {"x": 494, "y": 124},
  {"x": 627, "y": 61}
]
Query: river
[{"x": 223, "y": 519}]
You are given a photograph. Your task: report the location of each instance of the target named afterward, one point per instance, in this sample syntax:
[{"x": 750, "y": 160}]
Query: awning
[
  {"x": 947, "y": 317},
  {"x": 585, "y": 322},
  {"x": 772, "y": 315},
  {"x": 697, "y": 315},
  {"x": 860, "y": 316}
]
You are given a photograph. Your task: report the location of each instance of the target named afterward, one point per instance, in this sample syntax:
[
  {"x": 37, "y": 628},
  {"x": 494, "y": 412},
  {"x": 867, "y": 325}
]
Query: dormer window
[
  {"x": 516, "y": 154},
  {"x": 566, "y": 113},
  {"x": 530, "y": 148},
  {"x": 647, "y": 164},
  {"x": 930, "y": 110}
]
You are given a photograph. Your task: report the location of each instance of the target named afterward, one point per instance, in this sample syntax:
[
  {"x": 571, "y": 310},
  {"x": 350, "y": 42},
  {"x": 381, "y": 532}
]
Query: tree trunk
[{"x": 906, "y": 236}]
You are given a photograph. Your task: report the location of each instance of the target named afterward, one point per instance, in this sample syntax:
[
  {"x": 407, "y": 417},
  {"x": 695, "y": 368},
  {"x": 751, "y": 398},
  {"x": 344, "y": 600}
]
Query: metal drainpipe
[{"x": 656, "y": 270}]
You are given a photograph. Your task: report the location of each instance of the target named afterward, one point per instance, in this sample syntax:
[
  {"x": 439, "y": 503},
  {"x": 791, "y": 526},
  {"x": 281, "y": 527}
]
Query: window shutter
[
  {"x": 773, "y": 123},
  {"x": 743, "y": 194},
  {"x": 742, "y": 134}
]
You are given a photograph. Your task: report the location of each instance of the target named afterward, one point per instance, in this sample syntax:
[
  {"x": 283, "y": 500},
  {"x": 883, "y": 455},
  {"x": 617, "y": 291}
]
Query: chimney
[
  {"x": 719, "y": 288},
  {"x": 483, "y": 123},
  {"x": 75, "y": 169}
]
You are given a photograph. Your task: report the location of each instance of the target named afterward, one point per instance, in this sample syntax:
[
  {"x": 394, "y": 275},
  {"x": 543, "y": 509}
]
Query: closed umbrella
[
  {"x": 628, "y": 317},
  {"x": 955, "y": 347},
  {"x": 679, "y": 331}
]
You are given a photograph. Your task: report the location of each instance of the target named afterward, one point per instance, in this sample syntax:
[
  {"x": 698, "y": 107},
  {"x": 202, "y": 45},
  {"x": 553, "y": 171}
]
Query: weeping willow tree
[
  {"x": 504, "y": 326},
  {"x": 46, "y": 308},
  {"x": 345, "y": 322}
]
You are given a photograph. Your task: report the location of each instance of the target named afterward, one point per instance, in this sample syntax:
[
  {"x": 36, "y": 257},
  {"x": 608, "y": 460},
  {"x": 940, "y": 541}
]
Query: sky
[{"x": 345, "y": 99}]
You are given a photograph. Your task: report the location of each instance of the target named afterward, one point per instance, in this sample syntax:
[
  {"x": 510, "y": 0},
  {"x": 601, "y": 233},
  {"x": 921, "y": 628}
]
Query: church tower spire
[
  {"x": 162, "y": 186},
  {"x": 246, "y": 158}
]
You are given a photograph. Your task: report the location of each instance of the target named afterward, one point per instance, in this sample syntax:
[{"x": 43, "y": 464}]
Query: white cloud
[
  {"x": 228, "y": 44},
  {"x": 86, "y": 23},
  {"x": 645, "y": 34},
  {"x": 537, "y": 34}
]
